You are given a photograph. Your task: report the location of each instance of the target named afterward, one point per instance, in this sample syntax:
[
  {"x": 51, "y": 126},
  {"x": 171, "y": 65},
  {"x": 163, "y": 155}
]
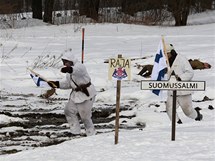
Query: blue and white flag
[
  {"x": 160, "y": 66},
  {"x": 39, "y": 81}
]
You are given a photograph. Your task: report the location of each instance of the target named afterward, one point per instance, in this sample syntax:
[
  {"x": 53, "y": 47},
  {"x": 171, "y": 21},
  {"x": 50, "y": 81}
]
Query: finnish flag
[
  {"x": 160, "y": 66},
  {"x": 39, "y": 81}
]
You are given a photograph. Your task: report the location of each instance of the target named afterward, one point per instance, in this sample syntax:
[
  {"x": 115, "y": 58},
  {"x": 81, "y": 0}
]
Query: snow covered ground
[{"x": 195, "y": 141}]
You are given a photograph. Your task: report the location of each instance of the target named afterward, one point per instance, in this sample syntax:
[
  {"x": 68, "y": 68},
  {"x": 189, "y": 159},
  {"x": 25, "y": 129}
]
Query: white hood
[{"x": 69, "y": 56}]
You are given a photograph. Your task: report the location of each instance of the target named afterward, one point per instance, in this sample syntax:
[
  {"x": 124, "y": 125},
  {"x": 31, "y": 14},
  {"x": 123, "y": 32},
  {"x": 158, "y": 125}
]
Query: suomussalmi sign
[{"x": 170, "y": 85}]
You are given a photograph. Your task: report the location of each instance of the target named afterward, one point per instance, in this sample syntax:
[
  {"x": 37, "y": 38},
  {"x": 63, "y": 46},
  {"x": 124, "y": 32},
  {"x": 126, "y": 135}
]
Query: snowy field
[{"x": 195, "y": 141}]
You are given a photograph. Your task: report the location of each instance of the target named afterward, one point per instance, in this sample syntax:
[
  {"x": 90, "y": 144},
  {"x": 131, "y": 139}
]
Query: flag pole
[
  {"x": 41, "y": 77},
  {"x": 164, "y": 49}
]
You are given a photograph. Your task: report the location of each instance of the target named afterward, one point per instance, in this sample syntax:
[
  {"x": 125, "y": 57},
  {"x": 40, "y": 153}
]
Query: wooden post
[
  {"x": 173, "y": 115},
  {"x": 82, "y": 55},
  {"x": 117, "y": 108}
]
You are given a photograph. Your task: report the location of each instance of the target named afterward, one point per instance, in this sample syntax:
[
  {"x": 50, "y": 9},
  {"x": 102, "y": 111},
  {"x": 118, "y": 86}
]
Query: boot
[{"x": 199, "y": 115}]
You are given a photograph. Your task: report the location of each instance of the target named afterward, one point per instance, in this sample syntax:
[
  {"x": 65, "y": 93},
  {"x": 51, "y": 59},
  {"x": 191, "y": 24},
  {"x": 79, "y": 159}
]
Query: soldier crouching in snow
[
  {"x": 182, "y": 70},
  {"x": 82, "y": 96},
  {"x": 197, "y": 64},
  {"x": 146, "y": 70}
]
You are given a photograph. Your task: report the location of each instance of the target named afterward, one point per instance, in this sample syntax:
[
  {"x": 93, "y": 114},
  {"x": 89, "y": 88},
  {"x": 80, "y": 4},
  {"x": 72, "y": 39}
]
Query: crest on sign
[{"x": 119, "y": 73}]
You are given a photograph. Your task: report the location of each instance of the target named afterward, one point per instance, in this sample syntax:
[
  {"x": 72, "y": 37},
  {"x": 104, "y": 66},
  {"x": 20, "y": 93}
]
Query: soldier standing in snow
[
  {"x": 82, "y": 96},
  {"x": 182, "y": 70}
]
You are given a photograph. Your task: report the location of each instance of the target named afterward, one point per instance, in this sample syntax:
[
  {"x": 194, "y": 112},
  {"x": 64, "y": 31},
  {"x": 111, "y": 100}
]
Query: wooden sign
[
  {"x": 119, "y": 69},
  {"x": 170, "y": 85}
]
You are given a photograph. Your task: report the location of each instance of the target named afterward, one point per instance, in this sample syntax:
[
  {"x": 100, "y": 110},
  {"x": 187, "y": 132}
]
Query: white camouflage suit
[
  {"x": 78, "y": 102},
  {"x": 183, "y": 69}
]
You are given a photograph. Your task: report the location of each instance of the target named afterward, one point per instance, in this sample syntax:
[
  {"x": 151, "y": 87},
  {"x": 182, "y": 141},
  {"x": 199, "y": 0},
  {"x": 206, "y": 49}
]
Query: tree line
[{"x": 156, "y": 9}]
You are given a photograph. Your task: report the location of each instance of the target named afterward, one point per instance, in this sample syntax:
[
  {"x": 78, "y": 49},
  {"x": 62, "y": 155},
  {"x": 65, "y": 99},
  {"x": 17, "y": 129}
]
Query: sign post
[
  {"x": 174, "y": 86},
  {"x": 173, "y": 115},
  {"x": 119, "y": 69},
  {"x": 118, "y": 90}
]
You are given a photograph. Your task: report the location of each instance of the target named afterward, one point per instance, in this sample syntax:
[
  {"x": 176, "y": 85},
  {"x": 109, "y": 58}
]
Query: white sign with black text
[{"x": 173, "y": 85}]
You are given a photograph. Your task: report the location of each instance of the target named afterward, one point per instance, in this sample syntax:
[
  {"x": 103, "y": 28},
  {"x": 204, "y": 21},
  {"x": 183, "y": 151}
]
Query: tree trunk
[
  {"x": 49, "y": 5},
  {"x": 37, "y": 9},
  {"x": 89, "y": 8},
  {"x": 180, "y": 10},
  {"x": 185, "y": 12},
  {"x": 184, "y": 17},
  {"x": 177, "y": 18}
]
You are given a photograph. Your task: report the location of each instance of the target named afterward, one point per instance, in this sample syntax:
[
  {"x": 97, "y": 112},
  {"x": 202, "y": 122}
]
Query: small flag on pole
[
  {"x": 160, "y": 66},
  {"x": 39, "y": 81}
]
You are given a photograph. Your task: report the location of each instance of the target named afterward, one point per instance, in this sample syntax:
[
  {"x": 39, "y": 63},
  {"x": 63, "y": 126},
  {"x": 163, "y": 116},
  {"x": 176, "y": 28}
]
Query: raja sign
[{"x": 119, "y": 68}]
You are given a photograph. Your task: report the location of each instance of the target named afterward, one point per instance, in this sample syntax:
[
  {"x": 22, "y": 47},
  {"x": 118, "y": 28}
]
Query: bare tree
[
  {"x": 49, "y": 5},
  {"x": 89, "y": 8},
  {"x": 132, "y": 6},
  {"x": 27, "y": 5},
  {"x": 202, "y": 5},
  {"x": 6, "y": 8},
  {"x": 180, "y": 10},
  {"x": 10, "y": 7},
  {"x": 140, "y": 11},
  {"x": 37, "y": 9}
]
